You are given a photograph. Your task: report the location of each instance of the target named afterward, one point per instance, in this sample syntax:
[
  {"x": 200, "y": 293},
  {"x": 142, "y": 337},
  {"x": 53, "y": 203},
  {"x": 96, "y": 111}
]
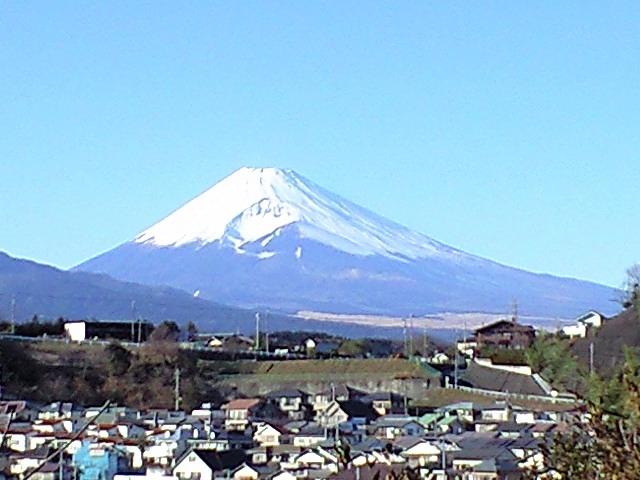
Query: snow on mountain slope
[
  {"x": 270, "y": 238},
  {"x": 254, "y": 204}
]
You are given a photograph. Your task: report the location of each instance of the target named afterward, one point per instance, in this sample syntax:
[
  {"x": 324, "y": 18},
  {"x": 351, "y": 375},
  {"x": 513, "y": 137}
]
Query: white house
[
  {"x": 164, "y": 448},
  {"x": 266, "y": 435},
  {"x": 418, "y": 452},
  {"x": 245, "y": 472},
  {"x": 318, "y": 459},
  {"x": 204, "y": 464},
  {"x": 575, "y": 330},
  {"x": 76, "y": 331},
  {"x": 309, "y": 344},
  {"x": 584, "y": 322},
  {"x": 331, "y": 416},
  {"x": 284, "y": 475}
]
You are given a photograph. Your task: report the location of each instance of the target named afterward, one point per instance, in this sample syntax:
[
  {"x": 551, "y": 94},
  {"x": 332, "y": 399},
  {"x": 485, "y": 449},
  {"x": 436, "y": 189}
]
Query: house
[
  {"x": 215, "y": 342},
  {"x": 21, "y": 462},
  {"x": 309, "y": 435},
  {"x": 591, "y": 319},
  {"x": 506, "y": 379},
  {"x": 439, "y": 358},
  {"x": 50, "y": 471},
  {"x": 392, "y": 426},
  {"x": 163, "y": 448},
  {"x": 582, "y": 324},
  {"x": 359, "y": 412},
  {"x": 383, "y": 402},
  {"x": 290, "y": 401},
  {"x": 282, "y": 475},
  {"x": 207, "y": 464},
  {"x": 465, "y": 411},
  {"x": 418, "y": 452},
  {"x": 313, "y": 459},
  {"x": 325, "y": 349},
  {"x": 467, "y": 346},
  {"x": 576, "y": 330},
  {"x": 12, "y": 410},
  {"x": 505, "y": 334},
  {"x": 95, "y": 461},
  {"x": 238, "y": 343},
  {"x": 266, "y": 435},
  {"x": 245, "y": 472},
  {"x": 309, "y": 345},
  {"x": 133, "y": 331},
  {"x": 17, "y": 437},
  {"x": 237, "y": 412},
  {"x": 332, "y": 416},
  {"x": 500, "y": 412},
  {"x": 273, "y": 455},
  {"x": 56, "y": 411},
  {"x": 484, "y": 456},
  {"x": 339, "y": 392}
]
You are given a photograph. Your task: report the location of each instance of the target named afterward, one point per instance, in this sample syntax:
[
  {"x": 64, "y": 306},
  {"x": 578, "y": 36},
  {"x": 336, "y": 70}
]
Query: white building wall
[
  {"x": 192, "y": 466},
  {"x": 76, "y": 331},
  {"x": 579, "y": 330}
]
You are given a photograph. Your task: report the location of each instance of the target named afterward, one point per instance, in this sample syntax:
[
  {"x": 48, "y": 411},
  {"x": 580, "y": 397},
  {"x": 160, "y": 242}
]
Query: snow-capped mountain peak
[
  {"x": 270, "y": 238},
  {"x": 254, "y": 204}
]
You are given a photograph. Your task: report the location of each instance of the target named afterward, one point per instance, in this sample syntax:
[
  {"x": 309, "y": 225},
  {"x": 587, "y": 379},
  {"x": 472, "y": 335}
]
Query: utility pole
[
  {"x": 13, "y": 315},
  {"x": 139, "y": 330},
  {"x": 133, "y": 321},
  {"x": 405, "y": 399},
  {"x": 177, "y": 390},
  {"x": 257, "y": 342},
  {"x": 266, "y": 331},
  {"x": 404, "y": 334},
  {"x": 411, "y": 335},
  {"x": 591, "y": 358},
  {"x": 424, "y": 341},
  {"x": 455, "y": 367}
]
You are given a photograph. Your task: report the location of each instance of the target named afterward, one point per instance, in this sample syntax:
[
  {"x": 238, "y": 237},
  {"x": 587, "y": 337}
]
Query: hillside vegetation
[{"x": 90, "y": 374}]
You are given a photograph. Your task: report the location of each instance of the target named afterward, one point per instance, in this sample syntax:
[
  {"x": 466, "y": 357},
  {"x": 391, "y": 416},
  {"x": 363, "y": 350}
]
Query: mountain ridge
[{"x": 270, "y": 238}]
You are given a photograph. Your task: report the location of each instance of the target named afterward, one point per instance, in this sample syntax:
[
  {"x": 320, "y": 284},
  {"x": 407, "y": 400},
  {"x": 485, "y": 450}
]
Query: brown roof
[
  {"x": 241, "y": 404},
  {"x": 504, "y": 324}
]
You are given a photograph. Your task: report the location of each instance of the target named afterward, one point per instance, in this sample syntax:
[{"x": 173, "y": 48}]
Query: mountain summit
[
  {"x": 256, "y": 204},
  {"x": 270, "y": 238}
]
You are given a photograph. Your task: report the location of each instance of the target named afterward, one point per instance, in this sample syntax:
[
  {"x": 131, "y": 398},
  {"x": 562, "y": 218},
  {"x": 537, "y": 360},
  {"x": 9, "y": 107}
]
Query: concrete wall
[{"x": 258, "y": 385}]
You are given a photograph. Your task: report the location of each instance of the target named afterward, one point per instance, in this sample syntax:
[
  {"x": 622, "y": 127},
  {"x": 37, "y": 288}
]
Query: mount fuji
[{"x": 271, "y": 239}]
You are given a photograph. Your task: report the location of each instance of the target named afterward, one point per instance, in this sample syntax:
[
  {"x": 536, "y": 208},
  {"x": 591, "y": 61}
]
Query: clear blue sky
[{"x": 508, "y": 129}]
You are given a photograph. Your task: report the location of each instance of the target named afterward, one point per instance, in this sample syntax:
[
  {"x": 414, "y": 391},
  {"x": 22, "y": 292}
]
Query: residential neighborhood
[
  {"x": 256, "y": 438},
  {"x": 335, "y": 418}
]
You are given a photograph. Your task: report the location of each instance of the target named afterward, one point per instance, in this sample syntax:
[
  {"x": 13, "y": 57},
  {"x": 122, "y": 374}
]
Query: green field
[{"x": 320, "y": 369}]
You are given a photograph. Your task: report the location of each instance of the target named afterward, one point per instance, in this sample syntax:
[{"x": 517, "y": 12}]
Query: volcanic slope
[{"x": 270, "y": 238}]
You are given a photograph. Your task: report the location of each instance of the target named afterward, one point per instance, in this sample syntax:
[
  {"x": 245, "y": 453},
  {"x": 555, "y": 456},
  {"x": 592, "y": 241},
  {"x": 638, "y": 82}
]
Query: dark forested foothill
[{"x": 141, "y": 377}]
